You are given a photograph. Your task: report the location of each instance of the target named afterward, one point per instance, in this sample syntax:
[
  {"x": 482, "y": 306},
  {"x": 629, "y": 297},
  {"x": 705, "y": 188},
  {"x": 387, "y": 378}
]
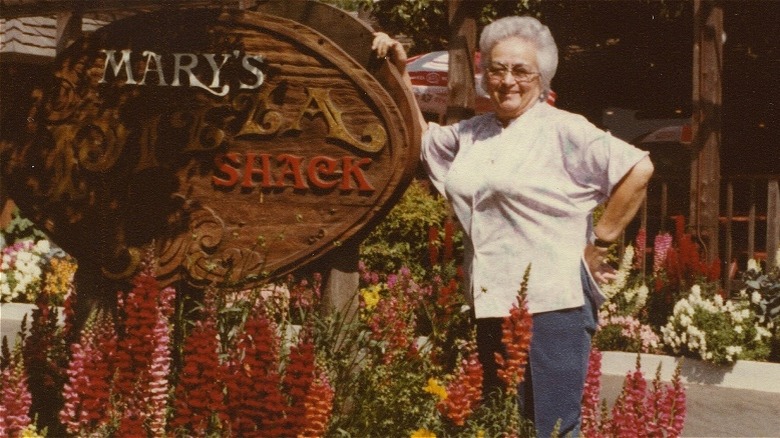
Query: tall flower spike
[
  {"x": 46, "y": 357},
  {"x": 255, "y": 401},
  {"x": 661, "y": 246},
  {"x": 641, "y": 248},
  {"x": 318, "y": 407},
  {"x": 157, "y": 387},
  {"x": 298, "y": 378},
  {"x": 464, "y": 392},
  {"x": 15, "y": 397},
  {"x": 590, "y": 398},
  {"x": 449, "y": 232},
  {"x": 87, "y": 392},
  {"x": 516, "y": 337},
  {"x": 675, "y": 403},
  {"x": 433, "y": 245},
  {"x": 199, "y": 392},
  {"x": 142, "y": 355},
  {"x": 628, "y": 413}
]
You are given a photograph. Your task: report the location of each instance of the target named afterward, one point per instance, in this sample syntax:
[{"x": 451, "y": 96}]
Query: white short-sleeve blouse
[{"x": 524, "y": 195}]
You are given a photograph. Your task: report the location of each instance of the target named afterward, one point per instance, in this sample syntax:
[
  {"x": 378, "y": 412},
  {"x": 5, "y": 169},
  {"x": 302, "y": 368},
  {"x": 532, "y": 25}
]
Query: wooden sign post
[{"x": 243, "y": 145}]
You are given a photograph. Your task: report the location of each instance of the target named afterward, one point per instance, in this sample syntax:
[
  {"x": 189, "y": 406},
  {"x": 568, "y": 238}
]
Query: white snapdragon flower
[
  {"x": 761, "y": 332},
  {"x": 755, "y": 297},
  {"x": 642, "y": 294},
  {"x": 5, "y": 292},
  {"x": 753, "y": 265},
  {"x": 42, "y": 246},
  {"x": 733, "y": 350}
]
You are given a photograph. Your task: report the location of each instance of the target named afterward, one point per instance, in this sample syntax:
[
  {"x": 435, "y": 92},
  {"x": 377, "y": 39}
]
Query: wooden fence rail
[{"x": 749, "y": 219}]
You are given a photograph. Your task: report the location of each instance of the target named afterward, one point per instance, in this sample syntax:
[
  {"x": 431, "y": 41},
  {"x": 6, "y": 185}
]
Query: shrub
[
  {"x": 403, "y": 238},
  {"x": 705, "y": 326},
  {"x": 762, "y": 288}
]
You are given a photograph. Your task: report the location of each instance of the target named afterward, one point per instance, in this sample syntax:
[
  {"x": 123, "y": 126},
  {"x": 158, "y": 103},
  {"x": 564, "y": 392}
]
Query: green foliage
[
  {"x": 401, "y": 239},
  {"x": 20, "y": 228},
  {"x": 347, "y": 5},
  {"x": 762, "y": 289},
  {"x": 426, "y": 23},
  {"x": 611, "y": 338}
]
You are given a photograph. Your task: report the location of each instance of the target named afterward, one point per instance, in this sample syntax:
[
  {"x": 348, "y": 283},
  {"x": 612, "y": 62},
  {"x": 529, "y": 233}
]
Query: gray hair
[{"x": 530, "y": 30}]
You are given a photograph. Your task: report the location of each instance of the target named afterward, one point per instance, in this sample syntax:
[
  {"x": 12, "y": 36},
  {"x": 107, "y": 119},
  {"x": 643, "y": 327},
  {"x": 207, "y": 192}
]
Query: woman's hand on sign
[{"x": 387, "y": 47}]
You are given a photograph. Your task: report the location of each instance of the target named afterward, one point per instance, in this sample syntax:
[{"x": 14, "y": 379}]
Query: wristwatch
[{"x": 599, "y": 243}]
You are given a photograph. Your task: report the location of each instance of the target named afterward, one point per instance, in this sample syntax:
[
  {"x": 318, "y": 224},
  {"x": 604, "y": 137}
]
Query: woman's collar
[{"x": 527, "y": 114}]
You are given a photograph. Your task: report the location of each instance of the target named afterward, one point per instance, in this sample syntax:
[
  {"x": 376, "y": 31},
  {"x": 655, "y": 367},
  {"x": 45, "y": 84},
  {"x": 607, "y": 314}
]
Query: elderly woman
[{"x": 524, "y": 181}]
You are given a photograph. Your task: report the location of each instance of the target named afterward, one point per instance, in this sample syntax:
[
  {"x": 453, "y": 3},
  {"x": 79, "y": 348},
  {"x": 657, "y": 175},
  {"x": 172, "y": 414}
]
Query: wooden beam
[
  {"x": 773, "y": 222},
  {"x": 706, "y": 124},
  {"x": 729, "y": 236},
  {"x": 16, "y": 8},
  {"x": 68, "y": 29},
  {"x": 751, "y": 243},
  {"x": 460, "y": 76}
]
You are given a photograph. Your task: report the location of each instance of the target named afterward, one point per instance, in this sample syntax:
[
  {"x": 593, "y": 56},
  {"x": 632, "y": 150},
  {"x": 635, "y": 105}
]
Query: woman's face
[{"x": 513, "y": 81}]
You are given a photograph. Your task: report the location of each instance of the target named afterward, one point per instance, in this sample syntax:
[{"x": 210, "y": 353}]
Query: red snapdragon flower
[
  {"x": 516, "y": 337},
  {"x": 641, "y": 248},
  {"x": 590, "y": 396},
  {"x": 199, "y": 392},
  {"x": 433, "y": 245},
  {"x": 464, "y": 392},
  {"x": 318, "y": 406},
  {"x": 15, "y": 398},
  {"x": 298, "y": 378},
  {"x": 629, "y": 417},
  {"x": 87, "y": 392},
  {"x": 255, "y": 402},
  {"x": 143, "y": 356}
]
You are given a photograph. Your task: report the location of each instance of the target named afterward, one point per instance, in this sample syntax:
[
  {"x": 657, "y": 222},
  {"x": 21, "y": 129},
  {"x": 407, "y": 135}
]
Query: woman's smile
[{"x": 513, "y": 79}]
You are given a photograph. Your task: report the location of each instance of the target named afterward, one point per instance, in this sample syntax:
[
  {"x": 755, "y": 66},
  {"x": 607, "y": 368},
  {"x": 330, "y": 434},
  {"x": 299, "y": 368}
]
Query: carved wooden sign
[{"x": 243, "y": 144}]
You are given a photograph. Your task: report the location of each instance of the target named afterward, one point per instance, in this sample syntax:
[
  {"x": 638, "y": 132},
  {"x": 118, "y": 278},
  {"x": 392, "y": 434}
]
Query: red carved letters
[{"x": 287, "y": 170}]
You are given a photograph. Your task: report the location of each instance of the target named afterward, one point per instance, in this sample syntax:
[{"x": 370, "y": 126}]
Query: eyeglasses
[{"x": 497, "y": 71}]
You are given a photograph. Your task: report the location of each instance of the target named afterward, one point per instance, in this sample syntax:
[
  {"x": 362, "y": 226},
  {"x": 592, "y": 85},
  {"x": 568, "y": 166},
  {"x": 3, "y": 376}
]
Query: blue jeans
[{"x": 558, "y": 364}]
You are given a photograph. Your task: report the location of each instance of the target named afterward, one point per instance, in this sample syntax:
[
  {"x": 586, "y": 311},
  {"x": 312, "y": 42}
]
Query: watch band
[{"x": 598, "y": 243}]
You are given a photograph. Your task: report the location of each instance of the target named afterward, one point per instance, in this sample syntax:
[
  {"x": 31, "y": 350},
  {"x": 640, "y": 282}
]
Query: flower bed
[
  {"x": 679, "y": 308},
  {"x": 405, "y": 364}
]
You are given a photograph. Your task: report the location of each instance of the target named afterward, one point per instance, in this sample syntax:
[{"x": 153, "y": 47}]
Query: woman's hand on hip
[{"x": 596, "y": 258}]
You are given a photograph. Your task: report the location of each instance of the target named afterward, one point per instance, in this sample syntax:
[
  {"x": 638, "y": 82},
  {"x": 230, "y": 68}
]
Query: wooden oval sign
[{"x": 242, "y": 144}]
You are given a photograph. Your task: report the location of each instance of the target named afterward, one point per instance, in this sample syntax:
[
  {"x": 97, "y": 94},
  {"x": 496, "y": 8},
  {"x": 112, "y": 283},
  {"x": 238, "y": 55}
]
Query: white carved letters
[{"x": 186, "y": 69}]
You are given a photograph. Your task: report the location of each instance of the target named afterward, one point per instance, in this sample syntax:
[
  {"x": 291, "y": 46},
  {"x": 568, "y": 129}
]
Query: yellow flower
[
  {"x": 480, "y": 433},
  {"x": 422, "y": 433},
  {"x": 370, "y": 296},
  {"x": 60, "y": 277},
  {"x": 30, "y": 432},
  {"x": 435, "y": 388}
]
